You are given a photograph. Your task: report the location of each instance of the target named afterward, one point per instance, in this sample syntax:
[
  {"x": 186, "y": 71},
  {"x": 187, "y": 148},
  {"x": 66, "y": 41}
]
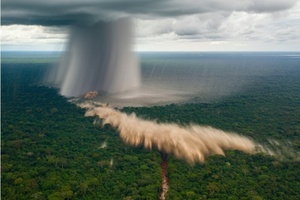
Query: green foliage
[{"x": 49, "y": 150}]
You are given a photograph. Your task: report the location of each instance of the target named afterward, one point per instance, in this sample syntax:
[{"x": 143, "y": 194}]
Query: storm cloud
[
  {"x": 56, "y": 12},
  {"x": 168, "y": 25}
]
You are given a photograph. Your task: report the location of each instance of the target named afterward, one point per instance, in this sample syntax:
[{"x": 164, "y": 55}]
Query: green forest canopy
[{"x": 49, "y": 150}]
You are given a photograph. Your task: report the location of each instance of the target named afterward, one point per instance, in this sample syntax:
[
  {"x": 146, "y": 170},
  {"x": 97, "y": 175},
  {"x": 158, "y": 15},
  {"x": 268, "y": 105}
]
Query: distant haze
[{"x": 200, "y": 77}]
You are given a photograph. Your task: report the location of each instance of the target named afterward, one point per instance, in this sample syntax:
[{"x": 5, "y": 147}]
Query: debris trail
[{"x": 164, "y": 172}]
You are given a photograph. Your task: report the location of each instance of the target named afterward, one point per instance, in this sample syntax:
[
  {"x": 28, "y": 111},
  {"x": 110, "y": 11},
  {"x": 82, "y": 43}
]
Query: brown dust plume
[{"x": 191, "y": 143}]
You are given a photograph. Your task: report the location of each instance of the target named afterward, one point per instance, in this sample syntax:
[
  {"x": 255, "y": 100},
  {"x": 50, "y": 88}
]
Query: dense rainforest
[{"x": 49, "y": 150}]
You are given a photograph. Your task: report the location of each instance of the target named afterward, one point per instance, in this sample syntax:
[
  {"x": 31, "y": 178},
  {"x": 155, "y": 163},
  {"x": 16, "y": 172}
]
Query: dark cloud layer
[{"x": 67, "y": 12}]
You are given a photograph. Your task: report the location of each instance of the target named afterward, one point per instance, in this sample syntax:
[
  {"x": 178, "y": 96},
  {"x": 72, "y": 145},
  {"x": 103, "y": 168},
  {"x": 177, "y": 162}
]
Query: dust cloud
[{"x": 191, "y": 143}]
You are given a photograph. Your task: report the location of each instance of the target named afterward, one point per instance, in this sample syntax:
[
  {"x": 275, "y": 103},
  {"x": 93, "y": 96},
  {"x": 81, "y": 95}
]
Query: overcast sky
[{"x": 160, "y": 25}]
